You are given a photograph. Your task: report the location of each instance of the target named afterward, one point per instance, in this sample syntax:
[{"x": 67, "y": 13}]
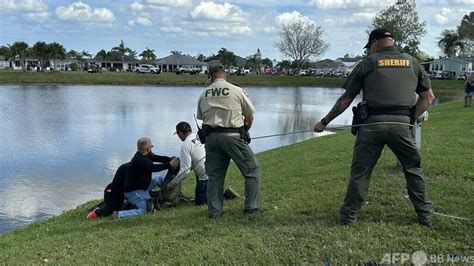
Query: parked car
[
  {"x": 233, "y": 71},
  {"x": 449, "y": 75},
  {"x": 93, "y": 68},
  {"x": 461, "y": 76},
  {"x": 436, "y": 74},
  {"x": 143, "y": 68},
  {"x": 243, "y": 71},
  {"x": 188, "y": 69}
]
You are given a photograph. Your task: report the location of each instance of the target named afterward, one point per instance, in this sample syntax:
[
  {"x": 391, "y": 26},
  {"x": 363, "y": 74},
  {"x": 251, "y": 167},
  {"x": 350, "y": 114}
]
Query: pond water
[{"x": 60, "y": 145}]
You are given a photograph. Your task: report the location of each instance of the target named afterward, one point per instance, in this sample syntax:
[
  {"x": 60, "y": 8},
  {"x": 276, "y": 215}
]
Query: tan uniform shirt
[{"x": 223, "y": 105}]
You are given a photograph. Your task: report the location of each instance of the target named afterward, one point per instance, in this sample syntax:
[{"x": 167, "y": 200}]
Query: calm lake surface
[{"x": 61, "y": 145}]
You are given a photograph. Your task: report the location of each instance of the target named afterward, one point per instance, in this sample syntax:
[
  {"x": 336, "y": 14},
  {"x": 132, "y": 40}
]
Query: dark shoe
[
  {"x": 428, "y": 224},
  {"x": 345, "y": 222},
  {"x": 256, "y": 210},
  {"x": 215, "y": 216}
]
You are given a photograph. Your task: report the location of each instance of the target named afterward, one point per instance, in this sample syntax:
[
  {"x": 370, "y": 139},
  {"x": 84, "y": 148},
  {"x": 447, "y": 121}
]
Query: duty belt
[
  {"x": 390, "y": 111},
  {"x": 225, "y": 130}
]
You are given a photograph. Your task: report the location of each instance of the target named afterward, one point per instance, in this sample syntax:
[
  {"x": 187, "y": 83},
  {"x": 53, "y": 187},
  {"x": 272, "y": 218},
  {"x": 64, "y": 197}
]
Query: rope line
[
  {"x": 344, "y": 127},
  {"x": 408, "y": 199},
  {"x": 334, "y": 128}
]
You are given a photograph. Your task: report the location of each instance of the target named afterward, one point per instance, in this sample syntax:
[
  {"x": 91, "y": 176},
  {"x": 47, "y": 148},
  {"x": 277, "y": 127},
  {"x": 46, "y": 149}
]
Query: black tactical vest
[{"x": 393, "y": 82}]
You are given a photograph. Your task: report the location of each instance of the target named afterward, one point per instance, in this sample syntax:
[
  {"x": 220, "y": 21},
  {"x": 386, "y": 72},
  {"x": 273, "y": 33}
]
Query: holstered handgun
[
  {"x": 361, "y": 113},
  {"x": 203, "y": 132},
  {"x": 244, "y": 134}
]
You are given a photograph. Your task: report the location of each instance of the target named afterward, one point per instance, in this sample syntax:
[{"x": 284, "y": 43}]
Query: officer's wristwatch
[{"x": 323, "y": 121}]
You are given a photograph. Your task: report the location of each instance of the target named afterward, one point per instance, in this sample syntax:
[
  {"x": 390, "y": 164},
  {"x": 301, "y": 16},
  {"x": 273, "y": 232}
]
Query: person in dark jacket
[
  {"x": 113, "y": 195},
  {"x": 138, "y": 177}
]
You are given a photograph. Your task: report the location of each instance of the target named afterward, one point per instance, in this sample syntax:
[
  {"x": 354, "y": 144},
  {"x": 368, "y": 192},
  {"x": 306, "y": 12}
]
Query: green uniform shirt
[{"x": 388, "y": 79}]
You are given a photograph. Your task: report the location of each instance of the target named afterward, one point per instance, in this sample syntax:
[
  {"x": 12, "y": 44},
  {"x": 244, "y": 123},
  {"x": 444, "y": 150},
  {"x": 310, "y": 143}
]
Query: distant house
[
  {"x": 347, "y": 64},
  {"x": 172, "y": 62},
  {"x": 326, "y": 65},
  {"x": 4, "y": 63},
  {"x": 455, "y": 65},
  {"x": 115, "y": 60}
]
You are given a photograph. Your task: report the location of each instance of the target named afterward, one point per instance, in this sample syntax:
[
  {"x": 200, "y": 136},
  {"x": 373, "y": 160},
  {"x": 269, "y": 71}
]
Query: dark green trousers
[
  {"x": 367, "y": 149},
  {"x": 220, "y": 148}
]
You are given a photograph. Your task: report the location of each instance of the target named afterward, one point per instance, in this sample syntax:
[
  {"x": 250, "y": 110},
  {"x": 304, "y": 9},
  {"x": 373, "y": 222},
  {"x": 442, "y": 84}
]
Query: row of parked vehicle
[{"x": 448, "y": 75}]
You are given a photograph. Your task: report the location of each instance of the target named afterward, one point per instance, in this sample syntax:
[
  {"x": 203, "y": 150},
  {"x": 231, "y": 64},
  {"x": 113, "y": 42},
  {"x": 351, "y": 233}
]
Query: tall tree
[
  {"x": 450, "y": 43},
  {"x": 226, "y": 57},
  {"x": 40, "y": 51},
  {"x": 267, "y": 62},
  {"x": 300, "y": 41},
  {"x": 102, "y": 54},
  {"x": 466, "y": 33},
  {"x": 19, "y": 49},
  {"x": 73, "y": 54},
  {"x": 402, "y": 20},
  {"x": 121, "y": 48},
  {"x": 285, "y": 64},
  {"x": 200, "y": 57},
  {"x": 86, "y": 54},
  {"x": 132, "y": 53},
  {"x": 6, "y": 52},
  {"x": 148, "y": 54},
  {"x": 466, "y": 28},
  {"x": 175, "y": 52},
  {"x": 56, "y": 51}
]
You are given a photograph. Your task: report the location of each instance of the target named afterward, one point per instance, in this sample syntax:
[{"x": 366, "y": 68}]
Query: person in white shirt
[{"x": 192, "y": 157}]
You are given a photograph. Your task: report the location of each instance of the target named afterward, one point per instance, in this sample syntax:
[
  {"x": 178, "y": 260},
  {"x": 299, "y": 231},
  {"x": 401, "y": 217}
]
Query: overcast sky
[{"x": 195, "y": 26}]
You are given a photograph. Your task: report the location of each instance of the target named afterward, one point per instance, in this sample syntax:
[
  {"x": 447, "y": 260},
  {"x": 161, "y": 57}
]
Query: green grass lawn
[
  {"x": 302, "y": 188},
  {"x": 128, "y": 78}
]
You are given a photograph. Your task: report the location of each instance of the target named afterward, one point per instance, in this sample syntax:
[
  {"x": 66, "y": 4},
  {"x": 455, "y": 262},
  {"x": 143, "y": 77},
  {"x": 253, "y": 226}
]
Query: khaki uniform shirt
[{"x": 224, "y": 105}]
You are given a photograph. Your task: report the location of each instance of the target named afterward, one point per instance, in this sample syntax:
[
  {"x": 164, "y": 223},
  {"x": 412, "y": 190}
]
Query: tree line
[
  {"x": 302, "y": 40},
  {"x": 299, "y": 41},
  {"x": 55, "y": 51}
]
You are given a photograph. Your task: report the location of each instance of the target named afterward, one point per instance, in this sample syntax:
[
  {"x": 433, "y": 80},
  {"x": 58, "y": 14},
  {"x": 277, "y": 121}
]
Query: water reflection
[{"x": 62, "y": 144}]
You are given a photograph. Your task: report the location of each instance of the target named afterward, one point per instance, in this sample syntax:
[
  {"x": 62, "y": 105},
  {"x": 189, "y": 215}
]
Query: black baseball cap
[
  {"x": 182, "y": 127},
  {"x": 377, "y": 34}
]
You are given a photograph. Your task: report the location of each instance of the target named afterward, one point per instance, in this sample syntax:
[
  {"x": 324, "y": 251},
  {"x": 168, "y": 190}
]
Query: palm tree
[
  {"x": 132, "y": 53},
  {"x": 6, "y": 52},
  {"x": 19, "y": 49},
  {"x": 451, "y": 43},
  {"x": 102, "y": 53},
  {"x": 226, "y": 57},
  {"x": 148, "y": 54},
  {"x": 123, "y": 50},
  {"x": 56, "y": 51},
  {"x": 85, "y": 53},
  {"x": 73, "y": 54},
  {"x": 40, "y": 50}
]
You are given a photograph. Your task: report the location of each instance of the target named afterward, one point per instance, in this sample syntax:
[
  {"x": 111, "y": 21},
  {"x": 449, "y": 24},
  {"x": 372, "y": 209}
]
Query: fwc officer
[
  {"x": 225, "y": 109},
  {"x": 389, "y": 81}
]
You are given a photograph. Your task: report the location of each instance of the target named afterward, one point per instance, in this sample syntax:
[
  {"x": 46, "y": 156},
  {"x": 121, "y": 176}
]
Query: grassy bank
[
  {"x": 115, "y": 78},
  {"x": 302, "y": 188}
]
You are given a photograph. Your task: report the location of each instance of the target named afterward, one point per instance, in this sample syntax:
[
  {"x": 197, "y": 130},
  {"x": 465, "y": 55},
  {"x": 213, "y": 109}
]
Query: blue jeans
[
  {"x": 140, "y": 199},
  {"x": 200, "y": 192}
]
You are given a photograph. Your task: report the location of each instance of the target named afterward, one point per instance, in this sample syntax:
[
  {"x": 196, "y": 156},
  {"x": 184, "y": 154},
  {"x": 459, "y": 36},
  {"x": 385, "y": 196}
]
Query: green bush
[{"x": 74, "y": 66}]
